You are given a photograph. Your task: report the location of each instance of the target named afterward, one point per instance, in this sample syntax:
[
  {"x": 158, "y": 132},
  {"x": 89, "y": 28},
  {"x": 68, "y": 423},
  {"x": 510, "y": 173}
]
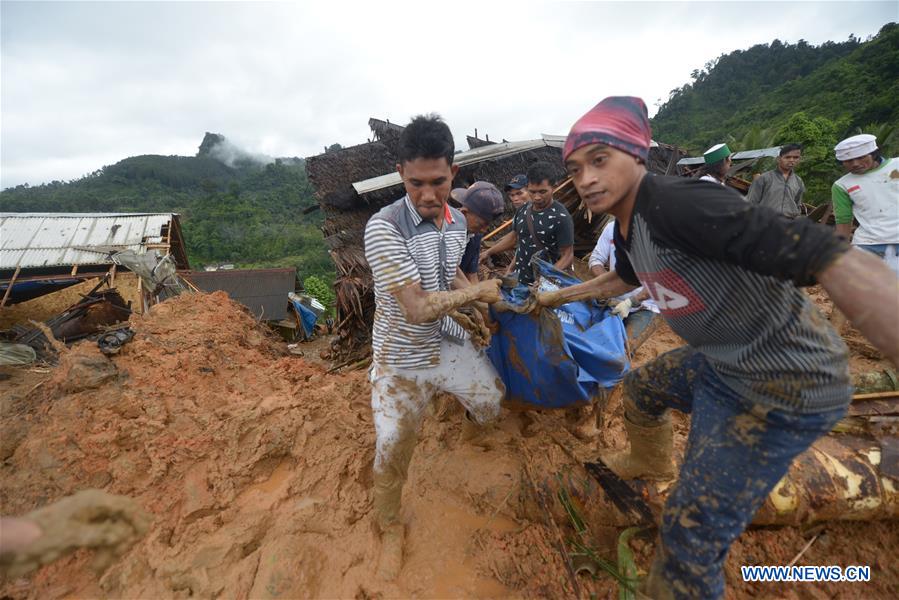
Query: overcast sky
[{"x": 83, "y": 85}]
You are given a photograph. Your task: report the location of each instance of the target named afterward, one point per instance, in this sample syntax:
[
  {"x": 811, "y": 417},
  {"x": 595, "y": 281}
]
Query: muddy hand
[
  {"x": 89, "y": 519},
  {"x": 488, "y": 291},
  {"x": 472, "y": 322}
]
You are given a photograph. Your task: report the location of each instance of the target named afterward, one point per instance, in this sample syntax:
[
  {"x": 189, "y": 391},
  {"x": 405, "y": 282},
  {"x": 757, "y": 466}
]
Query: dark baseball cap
[
  {"x": 481, "y": 198},
  {"x": 517, "y": 182}
]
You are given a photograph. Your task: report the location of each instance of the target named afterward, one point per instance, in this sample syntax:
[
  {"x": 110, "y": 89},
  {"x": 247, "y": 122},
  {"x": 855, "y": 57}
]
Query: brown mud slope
[{"x": 256, "y": 467}]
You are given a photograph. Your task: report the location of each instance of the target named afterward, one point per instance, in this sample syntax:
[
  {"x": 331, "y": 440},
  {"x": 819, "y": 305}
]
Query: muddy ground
[{"x": 256, "y": 466}]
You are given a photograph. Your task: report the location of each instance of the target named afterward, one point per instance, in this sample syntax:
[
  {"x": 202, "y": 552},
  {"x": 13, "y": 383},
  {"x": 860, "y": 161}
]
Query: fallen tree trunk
[{"x": 840, "y": 478}]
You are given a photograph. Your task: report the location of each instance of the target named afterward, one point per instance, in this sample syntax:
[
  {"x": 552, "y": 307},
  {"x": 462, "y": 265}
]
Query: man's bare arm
[
  {"x": 867, "y": 292},
  {"x": 566, "y": 258},
  {"x": 419, "y": 306},
  {"x": 598, "y": 270},
  {"x": 507, "y": 242},
  {"x": 605, "y": 286},
  {"x": 463, "y": 280}
]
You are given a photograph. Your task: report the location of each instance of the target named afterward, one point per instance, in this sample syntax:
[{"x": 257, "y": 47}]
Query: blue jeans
[{"x": 736, "y": 453}]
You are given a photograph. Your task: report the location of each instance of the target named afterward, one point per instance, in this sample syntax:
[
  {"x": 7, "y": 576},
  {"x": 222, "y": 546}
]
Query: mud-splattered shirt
[
  {"x": 402, "y": 248},
  {"x": 724, "y": 274},
  {"x": 554, "y": 228}
]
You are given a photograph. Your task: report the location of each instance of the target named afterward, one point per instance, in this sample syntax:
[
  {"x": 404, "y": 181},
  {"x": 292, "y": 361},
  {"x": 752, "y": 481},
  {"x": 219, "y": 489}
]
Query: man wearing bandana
[{"x": 763, "y": 374}]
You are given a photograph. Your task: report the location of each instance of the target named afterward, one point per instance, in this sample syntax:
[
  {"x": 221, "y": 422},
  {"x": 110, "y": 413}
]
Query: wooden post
[
  {"x": 112, "y": 272},
  {"x": 140, "y": 293},
  {"x": 9, "y": 287},
  {"x": 74, "y": 270}
]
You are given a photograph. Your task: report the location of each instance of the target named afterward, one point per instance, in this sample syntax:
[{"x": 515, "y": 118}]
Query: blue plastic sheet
[
  {"x": 307, "y": 317},
  {"x": 557, "y": 358}
]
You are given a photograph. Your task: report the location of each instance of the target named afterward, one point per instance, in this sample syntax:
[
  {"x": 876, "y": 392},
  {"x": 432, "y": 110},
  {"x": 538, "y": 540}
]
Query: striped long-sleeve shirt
[
  {"x": 402, "y": 248},
  {"x": 724, "y": 274}
]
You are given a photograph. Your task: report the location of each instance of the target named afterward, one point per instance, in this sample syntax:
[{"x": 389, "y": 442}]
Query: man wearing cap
[
  {"x": 517, "y": 190},
  {"x": 763, "y": 374},
  {"x": 539, "y": 225},
  {"x": 780, "y": 189},
  {"x": 481, "y": 203},
  {"x": 869, "y": 192},
  {"x": 717, "y": 161},
  {"x": 414, "y": 247}
]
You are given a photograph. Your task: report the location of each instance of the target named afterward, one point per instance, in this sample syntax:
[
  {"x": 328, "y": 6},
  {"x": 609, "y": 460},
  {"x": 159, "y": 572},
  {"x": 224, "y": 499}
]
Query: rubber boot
[
  {"x": 650, "y": 456},
  {"x": 388, "y": 491}
]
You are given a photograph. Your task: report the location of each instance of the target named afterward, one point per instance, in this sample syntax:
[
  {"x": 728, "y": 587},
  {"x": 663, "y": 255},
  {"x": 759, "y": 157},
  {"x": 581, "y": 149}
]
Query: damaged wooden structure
[
  {"x": 41, "y": 253},
  {"x": 353, "y": 183}
]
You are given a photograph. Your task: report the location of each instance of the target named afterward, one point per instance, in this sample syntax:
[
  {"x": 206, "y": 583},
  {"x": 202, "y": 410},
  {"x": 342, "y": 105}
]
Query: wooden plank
[
  {"x": 74, "y": 270},
  {"x": 875, "y": 396},
  {"x": 497, "y": 230},
  {"x": 9, "y": 287}
]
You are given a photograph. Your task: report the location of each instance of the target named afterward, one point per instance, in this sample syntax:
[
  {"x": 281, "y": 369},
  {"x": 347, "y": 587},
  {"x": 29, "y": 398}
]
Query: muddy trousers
[
  {"x": 399, "y": 397},
  {"x": 737, "y": 451}
]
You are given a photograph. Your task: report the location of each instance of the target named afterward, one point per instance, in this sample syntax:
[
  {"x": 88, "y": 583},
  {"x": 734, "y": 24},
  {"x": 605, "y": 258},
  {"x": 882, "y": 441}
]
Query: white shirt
[
  {"x": 604, "y": 254},
  {"x": 711, "y": 178},
  {"x": 875, "y": 203}
]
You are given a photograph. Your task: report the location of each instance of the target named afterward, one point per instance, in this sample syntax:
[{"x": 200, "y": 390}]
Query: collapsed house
[
  {"x": 353, "y": 183},
  {"x": 66, "y": 276},
  {"x": 44, "y": 252}
]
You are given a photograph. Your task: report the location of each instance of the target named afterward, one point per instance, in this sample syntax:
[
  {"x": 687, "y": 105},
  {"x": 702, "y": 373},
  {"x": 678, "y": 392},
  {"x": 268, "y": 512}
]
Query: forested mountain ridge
[
  {"x": 236, "y": 207},
  {"x": 780, "y": 93},
  {"x": 763, "y": 86}
]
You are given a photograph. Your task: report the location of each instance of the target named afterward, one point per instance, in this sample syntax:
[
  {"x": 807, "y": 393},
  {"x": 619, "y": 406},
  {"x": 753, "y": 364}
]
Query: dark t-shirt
[
  {"x": 724, "y": 274},
  {"x": 553, "y": 227},
  {"x": 469, "y": 264}
]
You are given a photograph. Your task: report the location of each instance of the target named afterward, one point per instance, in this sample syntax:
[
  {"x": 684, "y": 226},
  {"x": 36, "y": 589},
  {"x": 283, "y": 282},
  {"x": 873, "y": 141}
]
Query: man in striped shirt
[
  {"x": 414, "y": 247},
  {"x": 764, "y": 375}
]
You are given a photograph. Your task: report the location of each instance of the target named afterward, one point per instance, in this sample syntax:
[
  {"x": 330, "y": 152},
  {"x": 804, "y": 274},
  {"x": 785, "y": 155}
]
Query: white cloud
[{"x": 86, "y": 84}]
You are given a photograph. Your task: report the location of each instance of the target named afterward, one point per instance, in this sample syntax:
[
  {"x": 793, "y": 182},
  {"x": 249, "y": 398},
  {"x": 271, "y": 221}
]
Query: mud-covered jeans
[
  {"x": 736, "y": 453},
  {"x": 399, "y": 398}
]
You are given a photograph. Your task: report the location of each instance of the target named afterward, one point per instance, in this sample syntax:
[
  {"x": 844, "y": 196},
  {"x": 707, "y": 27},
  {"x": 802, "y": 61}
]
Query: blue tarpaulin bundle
[
  {"x": 557, "y": 358},
  {"x": 307, "y": 317}
]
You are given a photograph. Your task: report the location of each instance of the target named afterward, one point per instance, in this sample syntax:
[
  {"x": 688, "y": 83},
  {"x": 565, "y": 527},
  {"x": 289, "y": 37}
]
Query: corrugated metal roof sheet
[
  {"x": 30, "y": 240},
  {"x": 263, "y": 291},
  {"x": 463, "y": 158},
  {"x": 774, "y": 151}
]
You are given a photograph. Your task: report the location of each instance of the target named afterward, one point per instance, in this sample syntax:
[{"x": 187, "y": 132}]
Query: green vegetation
[
  {"x": 778, "y": 93},
  {"x": 250, "y": 214},
  {"x": 321, "y": 290}
]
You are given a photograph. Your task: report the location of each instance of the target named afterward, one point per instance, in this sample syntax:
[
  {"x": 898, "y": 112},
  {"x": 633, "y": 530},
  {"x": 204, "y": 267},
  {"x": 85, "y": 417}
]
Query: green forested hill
[
  {"x": 235, "y": 207},
  {"x": 776, "y": 93}
]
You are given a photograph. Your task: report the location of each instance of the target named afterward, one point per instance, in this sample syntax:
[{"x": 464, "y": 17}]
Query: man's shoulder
[
  {"x": 560, "y": 208},
  {"x": 389, "y": 213}
]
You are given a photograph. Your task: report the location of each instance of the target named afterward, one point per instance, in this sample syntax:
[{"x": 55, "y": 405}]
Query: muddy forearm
[
  {"x": 430, "y": 306},
  {"x": 867, "y": 292},
  {"x": 605, "y": 286}
]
